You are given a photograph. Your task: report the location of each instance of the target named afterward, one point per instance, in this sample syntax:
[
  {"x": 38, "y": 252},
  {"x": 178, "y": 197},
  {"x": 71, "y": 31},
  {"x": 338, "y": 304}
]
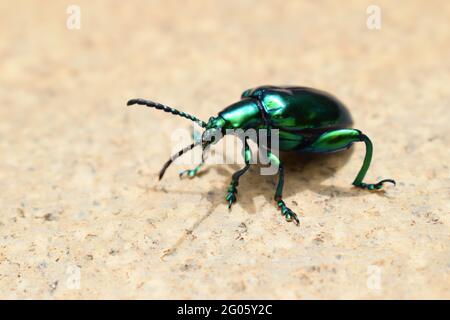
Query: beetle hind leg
[
  {"x": 366, "y": 163},
  {"x": 335, "y": 140}
]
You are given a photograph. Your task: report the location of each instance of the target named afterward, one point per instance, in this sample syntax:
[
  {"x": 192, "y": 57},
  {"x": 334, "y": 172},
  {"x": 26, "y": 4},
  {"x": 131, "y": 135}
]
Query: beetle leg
[
  {"x": 340, "y": 139},
  {"x": 232, "y": 189},
  {"x": 362, "y": 172},
  {"x": 191, "y": 172},
  {"x": 285, "y": 211}
]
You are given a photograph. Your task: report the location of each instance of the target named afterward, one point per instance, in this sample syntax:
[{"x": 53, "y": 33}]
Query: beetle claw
[
  {"x": 231, "y": 195},
  {"x": 380, "y": 183},
  {"x": 189, "y": 172},
  {"x": 289, "y": 215},
  {"x": 375, "y": 186},
  {"x": 231, "y": 198}
]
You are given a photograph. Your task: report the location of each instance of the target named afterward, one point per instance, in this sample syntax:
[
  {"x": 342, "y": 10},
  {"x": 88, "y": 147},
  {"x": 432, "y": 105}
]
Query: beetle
[{"x": 308, "y": 120}]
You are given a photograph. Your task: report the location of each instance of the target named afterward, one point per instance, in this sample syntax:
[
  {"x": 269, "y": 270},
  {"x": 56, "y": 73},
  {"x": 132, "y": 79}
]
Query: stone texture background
[{"x": 82, "y": 214}]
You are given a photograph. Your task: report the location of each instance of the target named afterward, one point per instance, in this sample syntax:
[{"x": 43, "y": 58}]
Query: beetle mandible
[{"x": 308, "y": 120}]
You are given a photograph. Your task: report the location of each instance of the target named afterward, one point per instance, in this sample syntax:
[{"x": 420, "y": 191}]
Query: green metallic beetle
[{"x": 308, "y": 120}]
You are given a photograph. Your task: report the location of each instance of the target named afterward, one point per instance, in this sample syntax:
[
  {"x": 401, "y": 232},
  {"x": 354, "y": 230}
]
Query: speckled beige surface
[{"x": 82, "y": 214}]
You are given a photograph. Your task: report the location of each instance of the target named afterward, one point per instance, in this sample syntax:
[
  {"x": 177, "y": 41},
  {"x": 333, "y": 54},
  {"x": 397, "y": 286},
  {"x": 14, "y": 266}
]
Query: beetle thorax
[{"x": 243, "y": 114}]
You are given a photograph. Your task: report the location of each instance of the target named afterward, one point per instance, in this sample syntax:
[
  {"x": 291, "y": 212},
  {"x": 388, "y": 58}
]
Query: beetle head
[{"x": 214, "y": 131}]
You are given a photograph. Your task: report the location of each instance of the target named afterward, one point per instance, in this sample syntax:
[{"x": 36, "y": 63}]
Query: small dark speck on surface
[
  {"x": 318, "y": 239},
  {"x": 113, "y": 252},
  {"x": 420, "y": 210},
  {"x": 50, "y": 217},
  {"x": 21, "y": 212},
  {"x": 242, "y": 230},
  {"x": 53, "y": 286},
  {"x": 210, "y": 195},
  {"x": 164, "y": 190}
]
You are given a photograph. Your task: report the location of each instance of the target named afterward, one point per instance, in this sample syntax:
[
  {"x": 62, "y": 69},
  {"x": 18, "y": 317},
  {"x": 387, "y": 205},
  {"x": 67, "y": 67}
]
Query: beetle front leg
[
  {"x": 232, "y": 189},
  {"x": 191, "y": 172},
  {"x": 285, "y": 211}
]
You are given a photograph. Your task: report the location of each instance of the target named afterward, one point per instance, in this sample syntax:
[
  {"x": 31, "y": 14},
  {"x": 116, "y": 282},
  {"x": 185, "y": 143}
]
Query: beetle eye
[{"x": 206, "y": 136}]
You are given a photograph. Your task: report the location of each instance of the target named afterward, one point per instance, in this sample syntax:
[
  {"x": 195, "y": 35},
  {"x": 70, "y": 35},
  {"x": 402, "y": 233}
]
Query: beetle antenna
[
  {"x": 160, "y": 106},
  {"x": 175, "y": 156}
]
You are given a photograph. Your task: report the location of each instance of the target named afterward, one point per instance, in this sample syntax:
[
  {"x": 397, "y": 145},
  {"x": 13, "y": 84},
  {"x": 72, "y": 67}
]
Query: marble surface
[{"x": 82, "y": 214}]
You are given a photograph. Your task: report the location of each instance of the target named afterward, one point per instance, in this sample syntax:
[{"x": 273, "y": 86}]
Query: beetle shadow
[{"x": 302, "y": 172}]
